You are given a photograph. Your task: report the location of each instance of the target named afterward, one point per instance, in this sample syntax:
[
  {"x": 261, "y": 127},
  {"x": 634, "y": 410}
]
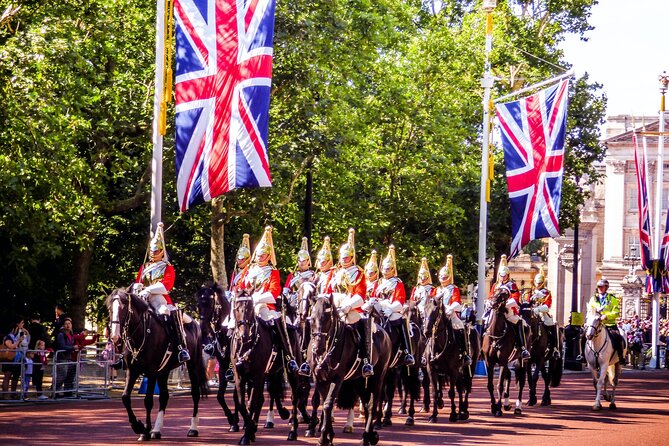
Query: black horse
[
  {"x": 541, "y": 359},
  {"x": 442, "y": 354},
  {"x": 213, "y": 308},
  {"x": 148, "y": 351},
  {"x": 336, "y": 369},
  {"x": 499, "y": 348},
  {"x": 254, "y": 359}
]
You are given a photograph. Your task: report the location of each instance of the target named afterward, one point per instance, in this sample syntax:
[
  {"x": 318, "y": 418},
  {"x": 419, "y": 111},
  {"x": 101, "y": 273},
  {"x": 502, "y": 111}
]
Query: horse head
[
  {"x": 434, "y": 311},
  {"x": 245, "y": 317},
  {"x": 411, "y": 311},
  {"x": 593, "y": 324},
  {"x": 212, "y": 306},
  {"x": 306, "y": 296},
  {"x": 323, "y": 322},
  {"x": 122, "y": 304}
]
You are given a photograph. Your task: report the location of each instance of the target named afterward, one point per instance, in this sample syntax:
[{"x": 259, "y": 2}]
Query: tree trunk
[
  {"x": 217, "y": 263},
  {"x": 82, "y": 266}
]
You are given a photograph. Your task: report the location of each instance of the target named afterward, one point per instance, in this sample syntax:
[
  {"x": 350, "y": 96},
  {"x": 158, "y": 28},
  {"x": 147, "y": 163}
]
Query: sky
[{"x": 625, "y": 53}]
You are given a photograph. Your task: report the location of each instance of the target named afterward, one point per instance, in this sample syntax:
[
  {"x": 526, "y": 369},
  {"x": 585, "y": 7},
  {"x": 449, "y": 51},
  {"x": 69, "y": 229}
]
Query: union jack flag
[
  {"x": 533, "y": 134},
  {"x": 223, "y": 81}
]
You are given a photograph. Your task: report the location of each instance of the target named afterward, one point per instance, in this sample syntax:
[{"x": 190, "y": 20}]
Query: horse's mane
[{"x": 110, "y": 297}]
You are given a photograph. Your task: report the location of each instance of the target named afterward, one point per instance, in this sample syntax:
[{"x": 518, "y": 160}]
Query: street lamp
[{"x": 632, "y": 259}]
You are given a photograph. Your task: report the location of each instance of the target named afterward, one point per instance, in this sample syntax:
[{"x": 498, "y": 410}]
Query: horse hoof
[
  {"x": 440, "y": 403},
  {"x": 244, "y": 440},
  {"x": 498, "y": 413},
  {"x": 613, "y": 406},
  {"x": 607, "y": 397},
  {"x": 386, "y": 422},
  {"x": 138, "y": 427},
  {"x": 144, "y": 437},
  {"x": 378, "y": 425},
  {"x": 374, "y": 438},
  {"x": 402, "y": 411},
  {"x": 284, "y": 413},
  {"x": 348, "y": 429},
  {"x": 424, "y": 409},
  {"x": 597, "y": 407},
  {"x": 409, "y": 421},
  {"x": 292, "y": 436},
  {"x": 532, "y": 401},
  {"x": 309, "y": 433},
  {"x": 517, "y": 411},
  {"x": 192, "y": 433},
  {"x": 546, "y": 402},
  {"x": 507, "y": 407},
  {"x": 269, "y": 425},
  {"x": 156, "y": 435},
  {"x": 463, "y": 416},
  {"x": 453, "y": 417},
  {"x": 234, "y": 428},
  {"x": 432, "y": 420}
]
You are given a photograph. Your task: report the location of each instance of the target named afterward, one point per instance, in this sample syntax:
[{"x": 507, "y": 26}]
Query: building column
[{"x": 614, "y": 210}]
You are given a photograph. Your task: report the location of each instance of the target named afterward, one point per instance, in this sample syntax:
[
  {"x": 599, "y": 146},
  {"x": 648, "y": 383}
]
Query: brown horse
[{"x": 499, "y": 348}]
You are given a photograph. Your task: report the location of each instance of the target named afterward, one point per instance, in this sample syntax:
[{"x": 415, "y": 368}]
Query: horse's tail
[
  {"x": 555, "y": 371},
  {"x": 276, "y": 386},
  {"x": 347, "y": 395}
]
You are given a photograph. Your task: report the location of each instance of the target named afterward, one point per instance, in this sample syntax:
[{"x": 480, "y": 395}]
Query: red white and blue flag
[
  {"x": 533, "y": 134},
  {"x": 223, "y": 80}
]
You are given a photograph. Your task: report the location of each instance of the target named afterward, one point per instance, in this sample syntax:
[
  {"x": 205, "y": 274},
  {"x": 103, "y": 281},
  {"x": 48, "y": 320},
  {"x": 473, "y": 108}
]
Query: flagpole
[
  {"x": 487, "y": 83},
  {"x": 664, "y": 82},
  {"x": 158, "y": 120},
  {"x": 552, "y": 80}
]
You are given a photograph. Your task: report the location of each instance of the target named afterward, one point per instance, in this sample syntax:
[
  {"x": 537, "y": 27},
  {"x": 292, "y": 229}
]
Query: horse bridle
[
  {"x": 254, "y": 335},
  {"x": 215, "y": 324},
  {"x": 433, "y": 335},
  {"x": 125, "y": 324},
  {"x": 329, "y": 346}
]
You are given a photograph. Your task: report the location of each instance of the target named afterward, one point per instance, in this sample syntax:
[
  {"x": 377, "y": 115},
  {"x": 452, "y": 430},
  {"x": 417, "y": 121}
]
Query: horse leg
[
  {"x": 436, "y": 388},
  {"x": 233, "y": 418},
  {"x": 453, "y": 417},
  {"x": 198, "y": 376},
  {"x": 599, "y": 386},
  {"x": 315, "y": 403},
  {"x": 269, "y": 424},
  {"x": 391, "y": 385},
  {"x": 327, "y": 431},
  {"x": 425, "y": 384},
  {"x": 494, "y": 406},
  {"x": 148, "y": 405},
  {"x": 546, "y": 398},
  {"x": 240, "y": 405},
  {"x": 348, "y": 425},
  {"x": 464, "y": 387},
  {"x": 163, "y": 398},
  {"x": 614, "y": 374},
  {"x": 504, "y": 385},
  {"x": 295, "y": 397},
  {"x": 131, "y": 378},
  {"x": 521, "y": 374},
  {"x": 403, "y": 391},
  {"x": 532, "y": 379},
  {"x": 413, "y": 390}
]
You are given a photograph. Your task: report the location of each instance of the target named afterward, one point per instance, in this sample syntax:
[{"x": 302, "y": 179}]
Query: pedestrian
[
  {"x": 65, "y": 370},
  {"x": 11, "y": 369},
  {"x": 58, "y": 323}
]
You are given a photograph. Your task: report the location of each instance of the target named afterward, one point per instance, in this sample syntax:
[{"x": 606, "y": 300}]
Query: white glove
[
  {"x": 345, "y": 309},
  {"x": 387, "y": 311},
  {"x": 449, "y": 312},
  {"x": 144, "y": 294},
  {"x": 536, "y": 310}
]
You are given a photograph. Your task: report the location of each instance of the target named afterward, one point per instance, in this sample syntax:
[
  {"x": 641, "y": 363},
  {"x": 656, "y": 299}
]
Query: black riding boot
[
  {"x": 617, "y": 342},
  {"x": 553, "y": 347},
  {"x": 363, "y": 350},
  {"x": 175, "y": 330},
  {"x": 282, "y": 333},
  {"x": 462, "y": 343},
  {"x": 520, "y": 339},
  {"x": 406, "y": 340}
]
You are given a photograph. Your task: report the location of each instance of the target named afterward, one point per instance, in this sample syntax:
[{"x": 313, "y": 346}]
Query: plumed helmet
[
  {"x": 446, "y": 271},
  {"x": 424, "y": 272},
  {"x": 244, "y": 251},
  {"x": 503, "y": 270},
  {"x": 265, "y": 246},
  {"x": 348, "y": 248},
  {"x": 389, "y": 263},
  {"x": 325, "y": 254},
  {"x": 158, "y": 241},
  {"x": 540, "y": 278},
  {"x": 303, "y": 253},
  {"x": 372, "y": 265},
  {"x": 602, "y": 282}
]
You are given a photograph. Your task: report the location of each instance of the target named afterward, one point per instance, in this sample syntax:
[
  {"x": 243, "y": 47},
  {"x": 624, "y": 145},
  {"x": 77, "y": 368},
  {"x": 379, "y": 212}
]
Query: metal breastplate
[
  {"x": 386, "y": 288},
  {"x": 344, "y": 278},
  {"x": 299, "y": 278},
  {"x": 258, "y": 276},
  {"x": 445, "y": 293},
  {"x": 153, "y": 272},
  {"x": 422, "y": 292}
]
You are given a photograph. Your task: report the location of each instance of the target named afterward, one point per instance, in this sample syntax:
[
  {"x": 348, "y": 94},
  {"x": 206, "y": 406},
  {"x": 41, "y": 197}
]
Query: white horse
[{"x": 602, "y": 359}]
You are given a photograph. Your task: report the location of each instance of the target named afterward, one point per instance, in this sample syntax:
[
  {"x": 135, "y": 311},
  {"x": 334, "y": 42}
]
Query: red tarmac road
[{"x": 642, "y": 418}]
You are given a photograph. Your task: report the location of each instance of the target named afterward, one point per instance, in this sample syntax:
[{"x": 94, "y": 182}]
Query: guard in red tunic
[
  {"x": 372, "y": 274},
  {"x": 154, "y": 281},
  {"x": 391, "y": 297},
  {"x": 423, "y": 289},
  {"x": 541, "y": 300},
  {"x": 452, "y": 303},
  {"x": 512, "y": 305},
  {"x": 264, "y": 283},
  {"x": 302, "y": 273}
]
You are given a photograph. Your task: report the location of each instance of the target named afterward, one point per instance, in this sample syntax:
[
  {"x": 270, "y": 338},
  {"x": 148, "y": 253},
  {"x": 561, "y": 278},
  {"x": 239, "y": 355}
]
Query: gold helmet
[
  {"x": 424, "y": 272},
  {"x": 265, "y": 246},
  {"x": 158, "y": 241},
  {"x": 503, "y": 270},
  {"x": 303, "y": 253},
  {"x": 446, "y": 271},
  {"x": 324, "y": 255},
  {"x": 389, "y": 263},
  {"x": 348, "y": 248},
  {"x": 540, "y": 278},
  {"x": 372, "y": 265},
  {"x": 244, "y": 251}
]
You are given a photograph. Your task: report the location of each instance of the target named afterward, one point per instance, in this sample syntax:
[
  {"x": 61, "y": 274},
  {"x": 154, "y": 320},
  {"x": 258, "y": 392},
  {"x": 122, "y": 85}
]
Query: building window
[
  {"x": 665, "y": 198},
  {"x": 632, "y": 199},
  {"x": 632, "y": 250}
]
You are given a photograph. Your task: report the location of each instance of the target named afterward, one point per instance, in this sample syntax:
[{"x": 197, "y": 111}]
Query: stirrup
[
  {"x": 209, "y": 349},
  {"x": 579, "y": 358},
  {"x": 292, "y": 366},
  {"x": 409, "y": 359},
  {"x": 524, "y": 354},
  {"x": 367, "y": 369},
  {"x": 229, "y": 375},
  {"x": 183, "y": 355},
  {"x": 466, "y": 359},
  {"x": 304, "y": 370},
  {"x": 118, "y": 365}
]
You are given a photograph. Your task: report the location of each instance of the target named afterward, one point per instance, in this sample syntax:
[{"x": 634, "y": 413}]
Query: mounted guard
[
  {"x": 424, "y": 288},
  {"x": 372, "y": 274},
  {"x": 452, "y": 302},
  {"x": 541, "y": 300},
  {"x": 154, "y": 282},
  {"x": 391, "y": 297},
  {"x": 302, "y": 272},
  {"x": 512, "y": 305},
  {"x": 263, "y": 282},
  {"x": 608, "y": 305}
]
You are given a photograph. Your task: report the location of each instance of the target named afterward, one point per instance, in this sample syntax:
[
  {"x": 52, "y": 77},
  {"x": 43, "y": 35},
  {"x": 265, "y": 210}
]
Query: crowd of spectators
[{"x": 639, "y": 337}]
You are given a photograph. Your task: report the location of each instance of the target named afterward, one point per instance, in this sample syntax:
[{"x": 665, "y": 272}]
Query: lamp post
[{"x": 487, "y": 83}]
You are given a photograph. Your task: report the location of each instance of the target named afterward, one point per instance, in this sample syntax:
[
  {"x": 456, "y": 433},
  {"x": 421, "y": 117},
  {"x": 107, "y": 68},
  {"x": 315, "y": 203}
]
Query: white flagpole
[
  {"x": 157, "y": 137},
  {"x": 664, "y": 81},
  {"x": 487, "y": 83}
]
